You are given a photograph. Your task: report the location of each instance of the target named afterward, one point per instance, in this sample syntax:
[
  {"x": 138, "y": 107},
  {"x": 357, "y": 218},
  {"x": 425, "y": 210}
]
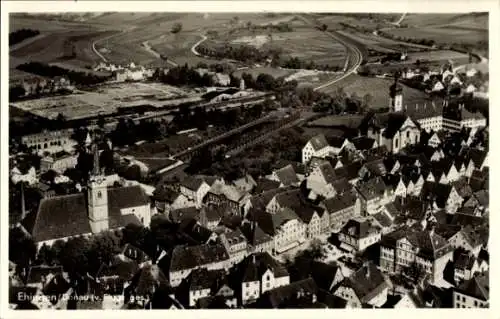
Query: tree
[
  {"x": 176, "y": 28},
  {"x": 22, "y": 248},
  {"x": 133, "y": 173},
  {"x": 367, "y": 99},
  {"x": 102, "y": 249},
  {"x": 414, "y": 272},
  {"x": 46, "y": 255},
  {"x": 101, "y": 121},
  {"x": 74, "y": 256}
]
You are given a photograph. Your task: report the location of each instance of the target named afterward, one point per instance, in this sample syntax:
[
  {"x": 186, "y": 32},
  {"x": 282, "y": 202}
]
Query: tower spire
[
  {"x": 96, "y": 170},
  {"x": 95, "y": 150}
]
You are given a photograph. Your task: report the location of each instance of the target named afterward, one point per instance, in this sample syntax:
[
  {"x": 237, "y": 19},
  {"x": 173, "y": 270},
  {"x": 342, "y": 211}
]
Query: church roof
[{"x": 66, "y": 216}]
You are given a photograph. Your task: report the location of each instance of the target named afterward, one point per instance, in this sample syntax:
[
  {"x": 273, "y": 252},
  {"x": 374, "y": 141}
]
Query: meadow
[{"x": 378, "y": 88}]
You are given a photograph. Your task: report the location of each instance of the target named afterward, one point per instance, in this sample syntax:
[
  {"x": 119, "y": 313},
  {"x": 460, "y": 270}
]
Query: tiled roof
[
  {"x": 287, "y": 175},
  {"x": 376, "y": 167},
  {"x": 229, "y": 191},
  {"x": 186, "y": 213},
  {"x": 188, "y": 257},
  {"x": 372, "y": 188},
  {"x": 363, "y": 142},
  {"x": 327, "y": 172},
  {"x": 280, "y": 296},
  {"x": 367, "y": 282},
  {"x": 165, "y": 194},
  {"x": 264, "y": 185},
  {"x": 477, "y": 287},
  {"x": 260, "y": 201},
  {"x": 430, "y": 245},
  {"x": 254, "y": 266},
  {"x": 318, "y": 142},
  {"x": 349, "y": 171},
  {"x": 234, "y": 237},
  {"x": 475, "y": 236},
  {"x": 213, "y": 212},
  {"x": 340, "y": 202},
  {"x": 135, "y": 253},
  {"x": 342, "y": 185},
  {"x": 192, "y": 183},
  {"x": 202, "y": 278},
  {"x": 336, "y": 141},
  {"x": 324, "y": 274},
  {"x": 440, "y": 192},
  {"x": 255, "y": 235},
  {"x": 383, "y": 219},
  {"x": 147, "y": 280},
  {"x": 194, "y": 230},
  {"x": 362, "y": 228},
  {"x": 423, "y": 111}
]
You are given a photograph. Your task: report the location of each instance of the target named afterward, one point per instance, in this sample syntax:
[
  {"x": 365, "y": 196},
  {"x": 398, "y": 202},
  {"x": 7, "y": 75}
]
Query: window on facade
[
  {"x": 396, "y": 143},
  {"x": 247, "y": 284},
  {"x": 99, "y": 194},
  {"x": 268, "y": 285}
]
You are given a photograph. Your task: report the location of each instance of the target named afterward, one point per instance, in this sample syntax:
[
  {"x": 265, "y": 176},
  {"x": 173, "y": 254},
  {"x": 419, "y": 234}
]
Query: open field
[
  {"x": 377, "y": 20},
  {"x": 445, "y": 34},
  {"x": 470, "y": 20},
  {"x": 52, "y": 48},
  {"x": 379, "y": 90},
  {"x": 155, "y": 28},
  {"x": 105, "y": 100},
  {"x": 319, "y": 47},
  {"x": 381, "y": 44}
]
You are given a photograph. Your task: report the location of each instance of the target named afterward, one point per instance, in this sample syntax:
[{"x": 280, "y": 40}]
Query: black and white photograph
[{"x": 246, "y": 160}]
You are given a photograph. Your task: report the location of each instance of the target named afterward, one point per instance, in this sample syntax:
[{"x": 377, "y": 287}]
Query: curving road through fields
[{"x": 354, "y": 55}]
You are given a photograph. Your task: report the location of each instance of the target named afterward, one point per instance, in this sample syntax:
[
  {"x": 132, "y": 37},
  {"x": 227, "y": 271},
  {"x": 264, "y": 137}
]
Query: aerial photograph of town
[{"x": 169, "y": 160}]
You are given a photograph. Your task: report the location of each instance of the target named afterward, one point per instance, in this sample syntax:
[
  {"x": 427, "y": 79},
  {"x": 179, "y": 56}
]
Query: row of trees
[
  {"x": 184, "y": 75},
  {"x": 296, "y": 63},
  {"x": 80, "y": 255},
  {"x": 21, "y": 35},
  {"x": 245, "y": 53},
  {"x": 77, "y": 77}
]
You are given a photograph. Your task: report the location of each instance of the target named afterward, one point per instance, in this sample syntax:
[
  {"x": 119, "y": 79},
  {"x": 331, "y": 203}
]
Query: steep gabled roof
[
  {"x": 66, "y": 216},
  {"x": 188, "y": 257},
  {"x": 340, "y": 202},
  {"x": 367, "y": 282},
  {"x": 318, "y": 142},
  {"x": 287, "y": 175},
  {"x": 477, "y": 287},
  {"x": 363, "y": 142}
]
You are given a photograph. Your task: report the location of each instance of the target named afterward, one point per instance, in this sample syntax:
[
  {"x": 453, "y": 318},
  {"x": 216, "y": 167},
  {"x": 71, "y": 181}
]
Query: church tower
[
  {"x": 396, "y": 97},
  {"x": 97, "y": 197}
]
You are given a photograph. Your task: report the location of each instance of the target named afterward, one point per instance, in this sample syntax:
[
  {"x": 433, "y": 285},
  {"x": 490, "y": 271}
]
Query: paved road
[
  {"x": 354, "y": 56},
  {"x": 193, "y": 48},
  {"x": 105, "y": 38},
  {"x": 157, "y": 55}
]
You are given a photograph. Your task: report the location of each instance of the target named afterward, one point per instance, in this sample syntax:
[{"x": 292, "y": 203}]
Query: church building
[{"x": 96, "y": 209}]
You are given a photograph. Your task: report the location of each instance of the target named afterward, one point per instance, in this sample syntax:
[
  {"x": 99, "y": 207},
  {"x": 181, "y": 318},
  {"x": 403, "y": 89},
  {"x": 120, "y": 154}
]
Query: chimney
[
  {"x": 253, "y": 259},
  {"x": 368, "y": 274}
]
